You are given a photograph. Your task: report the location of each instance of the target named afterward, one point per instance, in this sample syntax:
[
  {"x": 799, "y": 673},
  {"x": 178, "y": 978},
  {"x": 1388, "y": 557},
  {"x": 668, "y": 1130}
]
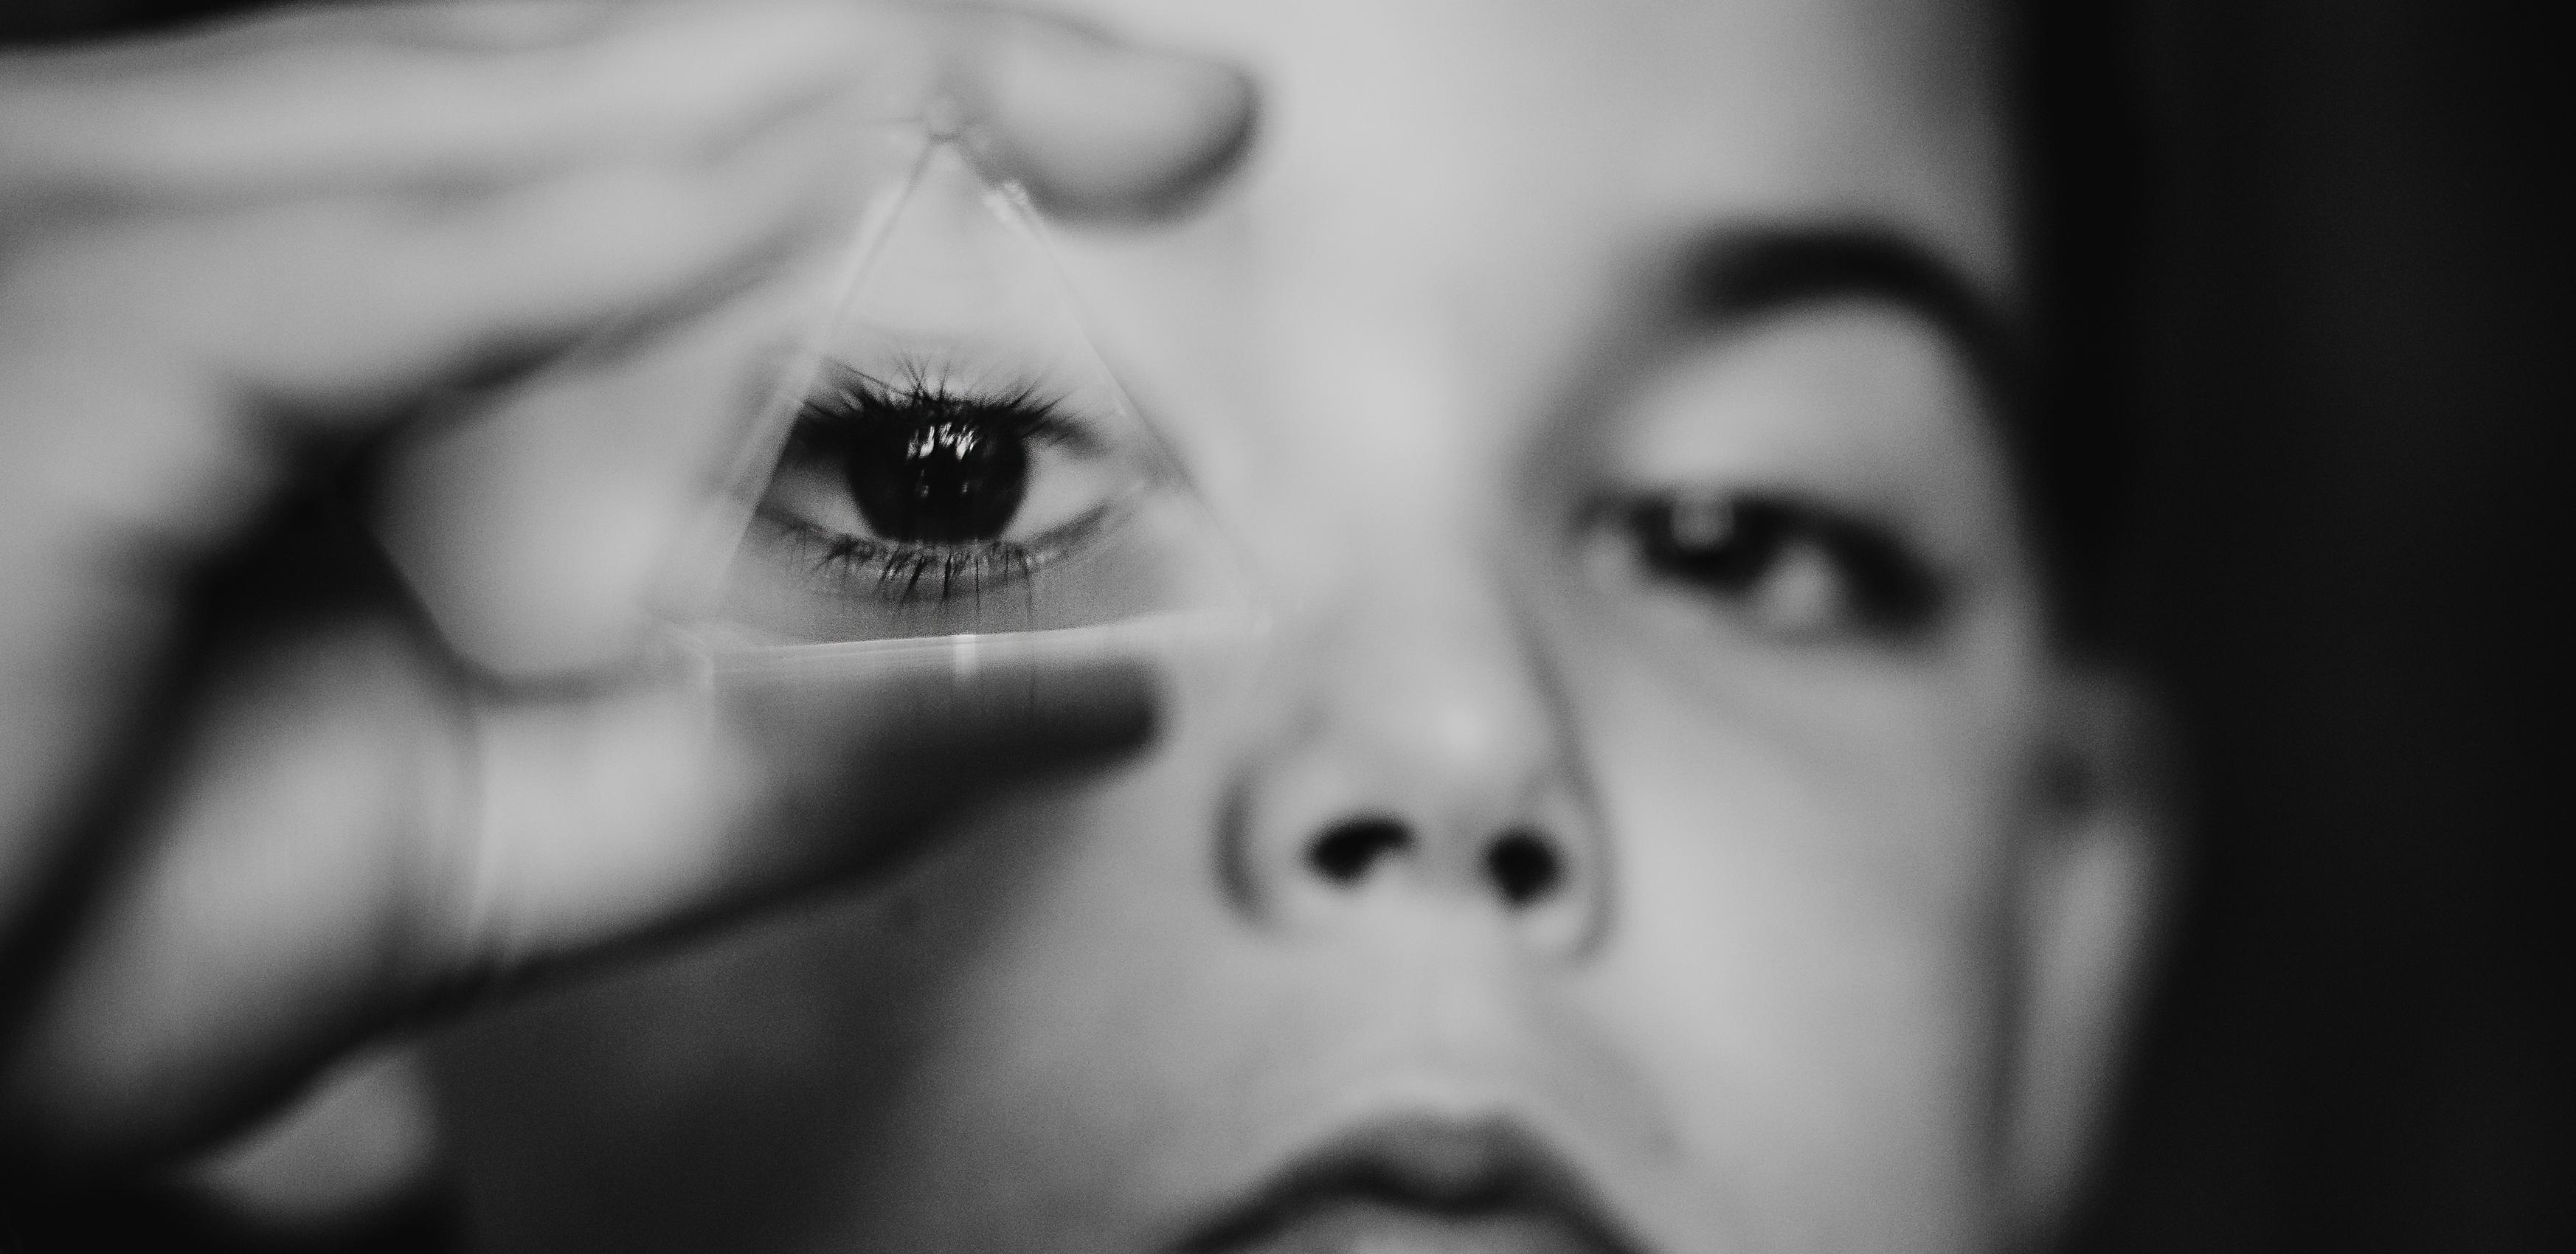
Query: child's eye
[
  {"x": 1788, "y": 567},
  {"x": 915, "y": 491}
]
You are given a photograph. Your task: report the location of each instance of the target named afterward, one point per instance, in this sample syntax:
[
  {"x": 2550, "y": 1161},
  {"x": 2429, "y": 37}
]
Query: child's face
[{"x": 1631, "y": 832}]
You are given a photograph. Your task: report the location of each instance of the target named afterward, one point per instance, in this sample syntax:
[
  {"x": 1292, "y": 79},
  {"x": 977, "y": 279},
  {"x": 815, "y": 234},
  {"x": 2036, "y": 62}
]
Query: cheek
[
  {"x": 1047, "y": 1058},
  {"x": 1808, "y": 950}
]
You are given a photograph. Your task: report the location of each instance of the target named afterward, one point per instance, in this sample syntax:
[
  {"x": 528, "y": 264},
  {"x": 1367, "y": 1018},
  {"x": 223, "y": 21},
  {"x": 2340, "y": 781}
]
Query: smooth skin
[{"x": 1843, "y": 930}]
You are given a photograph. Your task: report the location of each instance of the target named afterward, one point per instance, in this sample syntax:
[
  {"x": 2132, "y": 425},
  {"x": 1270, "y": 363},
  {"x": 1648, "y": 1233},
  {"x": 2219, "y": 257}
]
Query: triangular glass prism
[{"x": 952, "y": 456}]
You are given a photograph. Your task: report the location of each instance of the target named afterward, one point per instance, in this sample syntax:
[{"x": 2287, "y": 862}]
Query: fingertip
[
  {"x": 890, "y": 738},
  {"x": 905, "y": 709},
  {"x": 1059, "y": 713},
  {"x": 1118, "y": 132}
]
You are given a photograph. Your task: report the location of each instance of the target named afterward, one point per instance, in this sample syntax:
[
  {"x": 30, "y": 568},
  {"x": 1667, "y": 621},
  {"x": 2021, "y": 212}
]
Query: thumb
[
  {"x": 298, "y": 893},
  {"x": 627, "y": 815}
]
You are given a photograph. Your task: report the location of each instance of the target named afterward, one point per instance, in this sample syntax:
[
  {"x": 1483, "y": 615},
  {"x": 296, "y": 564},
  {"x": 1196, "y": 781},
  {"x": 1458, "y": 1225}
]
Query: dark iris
[
  {"x": 956, "y": 478},
  {"x": 927, "y": 467},
  {"x": 1728, "y": 545},
  {"x": 1720, "y": 544}
]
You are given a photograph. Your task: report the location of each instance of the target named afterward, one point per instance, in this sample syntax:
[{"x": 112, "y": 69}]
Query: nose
[
  {"x": 1422, "y": 759},
  {"x": 1522, "y": 866}
]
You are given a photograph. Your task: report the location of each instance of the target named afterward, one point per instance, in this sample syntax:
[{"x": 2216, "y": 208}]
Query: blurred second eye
[{"x": 1775, "y": 563}]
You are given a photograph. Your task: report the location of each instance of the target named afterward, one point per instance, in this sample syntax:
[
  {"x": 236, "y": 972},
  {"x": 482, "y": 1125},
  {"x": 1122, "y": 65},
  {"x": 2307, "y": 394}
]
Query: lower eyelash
[
  {"x": 920, "y": 574},
  {"x": 899, "y": 573}
]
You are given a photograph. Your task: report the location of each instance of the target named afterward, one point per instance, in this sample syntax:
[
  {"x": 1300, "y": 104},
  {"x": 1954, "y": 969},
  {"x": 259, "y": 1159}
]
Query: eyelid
[
  {"x": 898, "y": 561},
  {"x": 847, "y": 397},
  {"x": 1894, "y": 589},
  {"x": 1054, "y": 430}
]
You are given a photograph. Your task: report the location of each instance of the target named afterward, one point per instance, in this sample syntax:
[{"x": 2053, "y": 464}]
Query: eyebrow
[{"x": 1742, "y": 275}]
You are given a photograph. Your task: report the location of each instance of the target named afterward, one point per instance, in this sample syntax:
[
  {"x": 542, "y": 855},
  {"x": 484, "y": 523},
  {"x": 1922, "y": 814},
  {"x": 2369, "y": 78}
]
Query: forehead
[
  {"x": 1459, "y": 215},
  {"x": 1449, "y": 127}
]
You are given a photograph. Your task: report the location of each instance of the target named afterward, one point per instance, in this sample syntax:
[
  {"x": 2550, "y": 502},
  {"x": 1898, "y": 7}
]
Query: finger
[
  {"x": 340, "y": 99},
  {"x": 606, "y": 819},
  {"x": 322, "y": 101},
  {"x": 1096, "y": 128},
  {"x": 261, "y": 894},
  {"x": 451, "y": 290},
  {"x": 318, "y": 871},
  {"x": 162, "y": 371}
]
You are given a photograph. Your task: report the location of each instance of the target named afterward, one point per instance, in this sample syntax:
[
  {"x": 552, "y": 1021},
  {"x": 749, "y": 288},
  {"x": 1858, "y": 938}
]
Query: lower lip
[{"x": 1366, "y": 1226}]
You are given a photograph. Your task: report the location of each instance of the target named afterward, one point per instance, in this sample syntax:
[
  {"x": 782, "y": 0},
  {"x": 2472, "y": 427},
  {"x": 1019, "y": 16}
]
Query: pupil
[
  {"x": 1722, "y": 545},
  {"x": 952, "y": 480}
]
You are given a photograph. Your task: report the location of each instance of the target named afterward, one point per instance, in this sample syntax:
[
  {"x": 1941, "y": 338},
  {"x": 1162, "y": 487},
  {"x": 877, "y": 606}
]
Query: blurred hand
[{"x": 251, "y": 812}]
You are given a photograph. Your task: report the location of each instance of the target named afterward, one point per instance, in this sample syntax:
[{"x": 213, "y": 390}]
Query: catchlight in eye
[{"x": 951, "y": 456}]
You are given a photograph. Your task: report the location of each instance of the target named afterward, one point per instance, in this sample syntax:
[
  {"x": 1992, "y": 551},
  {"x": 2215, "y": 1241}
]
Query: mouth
[{"x": 1420, "y": 1184}]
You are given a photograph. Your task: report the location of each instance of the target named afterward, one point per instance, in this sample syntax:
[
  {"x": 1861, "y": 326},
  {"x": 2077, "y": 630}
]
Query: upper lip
[{"x": 1440, "y": 1165}]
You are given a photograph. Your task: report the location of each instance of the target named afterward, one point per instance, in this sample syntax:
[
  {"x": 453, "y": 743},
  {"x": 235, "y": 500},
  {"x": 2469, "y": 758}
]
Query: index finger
[{"x": 336, "y": 100}]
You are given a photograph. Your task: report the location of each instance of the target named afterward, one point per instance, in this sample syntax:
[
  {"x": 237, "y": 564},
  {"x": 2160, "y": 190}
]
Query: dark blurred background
[
  {"x": 2327, "y": 276},
  {"x": 2346, "y": 344}
]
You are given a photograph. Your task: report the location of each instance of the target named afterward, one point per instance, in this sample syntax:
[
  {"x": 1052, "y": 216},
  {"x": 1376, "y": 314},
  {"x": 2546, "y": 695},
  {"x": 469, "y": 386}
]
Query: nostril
[
  {"x": 1345, "y": 854},
  {"x": 1524, "y": 868}
]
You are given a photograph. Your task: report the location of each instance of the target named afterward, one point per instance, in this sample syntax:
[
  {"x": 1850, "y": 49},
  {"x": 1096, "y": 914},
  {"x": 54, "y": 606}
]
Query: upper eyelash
[{"x": 849, "y": 397}]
